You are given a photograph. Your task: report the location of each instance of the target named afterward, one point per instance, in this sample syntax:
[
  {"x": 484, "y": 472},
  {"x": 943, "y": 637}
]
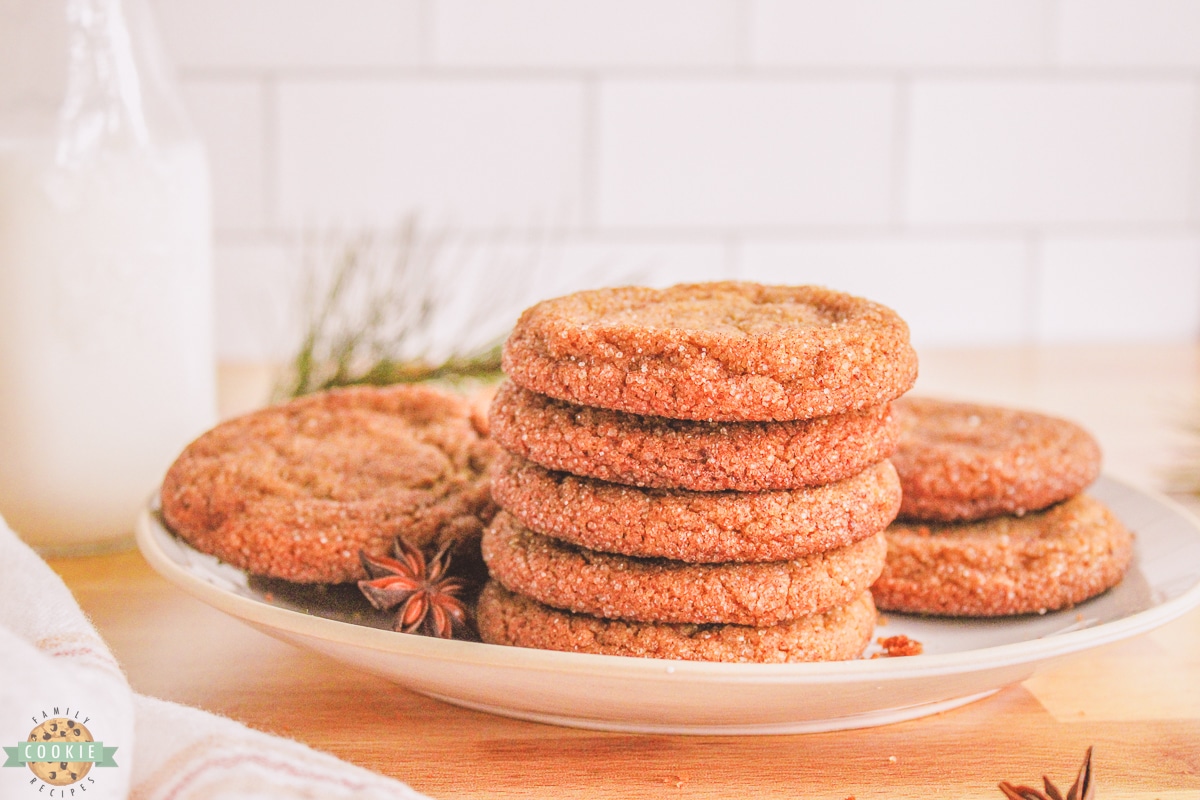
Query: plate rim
[{"x": 1030, "y": 651}]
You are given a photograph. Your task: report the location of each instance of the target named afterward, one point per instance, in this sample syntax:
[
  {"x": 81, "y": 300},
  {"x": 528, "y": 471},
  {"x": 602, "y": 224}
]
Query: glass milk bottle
[{"x": 106, "y": 352}]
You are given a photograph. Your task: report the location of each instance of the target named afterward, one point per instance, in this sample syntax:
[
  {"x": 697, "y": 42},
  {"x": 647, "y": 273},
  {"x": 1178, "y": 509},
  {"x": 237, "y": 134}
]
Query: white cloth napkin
[{"x": 53, "y": 664}]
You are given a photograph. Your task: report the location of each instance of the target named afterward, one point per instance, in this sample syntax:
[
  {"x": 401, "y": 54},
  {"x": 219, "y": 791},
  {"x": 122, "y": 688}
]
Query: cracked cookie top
[
  {"x": 730, "y": 351},
  {"x": 294, "y": 491}
]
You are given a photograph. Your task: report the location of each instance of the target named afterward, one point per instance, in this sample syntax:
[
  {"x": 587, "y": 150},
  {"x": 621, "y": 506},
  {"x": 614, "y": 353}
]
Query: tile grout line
[
  {"x": 901, "y": 107},
  {"x": 1034, "y": 257},
  {"x": 1053, "y": 46},
  {"x": 425, "y": 50},
  {"x": 269, "y": 141},
  {"x": 743, "y": 25},
  {"x": 1193, "y": 205},
  {"x": 589, "y": 155},
  {"x": 1037, "y": 74},
  {"x": 831, "y": 232}
]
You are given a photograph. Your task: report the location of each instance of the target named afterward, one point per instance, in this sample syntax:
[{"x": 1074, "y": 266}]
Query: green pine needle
[{"x": 369, "y": 319}]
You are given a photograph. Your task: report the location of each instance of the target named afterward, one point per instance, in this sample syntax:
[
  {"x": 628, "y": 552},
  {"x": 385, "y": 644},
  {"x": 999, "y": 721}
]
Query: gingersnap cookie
[
  {"x": 966, "y": 461},
  {"x": 658, "y": 452},
  {"x": 565, "y": 576},
  {"x": 1042, "y": 561},
  {"x": 839, "y": 634},
  {"x": 294, "y": 491},
  {"x": 698, "y": 527},
  {"x": 713, "y": 351}
]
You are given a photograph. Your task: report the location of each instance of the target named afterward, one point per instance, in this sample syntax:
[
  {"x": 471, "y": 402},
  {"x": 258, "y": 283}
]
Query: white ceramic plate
[{"x": 963, "y": 661}]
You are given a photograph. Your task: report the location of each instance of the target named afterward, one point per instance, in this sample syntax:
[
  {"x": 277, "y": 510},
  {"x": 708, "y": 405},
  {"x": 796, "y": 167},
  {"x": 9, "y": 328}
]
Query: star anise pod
[
  {"x": 427, "y": 596},
  {"x": 1080, "y": 790}
]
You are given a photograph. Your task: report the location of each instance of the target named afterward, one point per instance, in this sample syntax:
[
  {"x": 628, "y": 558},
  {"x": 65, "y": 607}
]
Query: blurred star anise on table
[
  {"x": 1082, "y": 789},
  {"x": 427, "y": 598}
]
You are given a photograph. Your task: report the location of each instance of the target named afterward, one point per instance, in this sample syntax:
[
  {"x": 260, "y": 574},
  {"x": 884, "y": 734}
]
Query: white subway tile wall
[
  {"x": 474, "y": 153},
  {"x": 256, "y": 294},
  {"x": 1137, "y": 33},
  {"x": 264, "y": 36},
  {"x": 738, "y": 155},
  {"x": 1149, "y": 289},
  {"x": 1076, "y": 151},
  {"x": 230, "y": 119},
  {"x": 999, "y": 171},
  {"x": 913, "y": 33},
  {"x": 556, "y": 34}
]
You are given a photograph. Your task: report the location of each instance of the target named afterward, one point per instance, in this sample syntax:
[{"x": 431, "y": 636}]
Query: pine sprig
[{"x": 372, "y": 317}]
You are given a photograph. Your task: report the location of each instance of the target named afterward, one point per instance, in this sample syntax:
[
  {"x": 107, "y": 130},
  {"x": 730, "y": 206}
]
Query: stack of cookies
[
  {"x": 994, "y": 520},
  {"x": 698, "y": 472}
]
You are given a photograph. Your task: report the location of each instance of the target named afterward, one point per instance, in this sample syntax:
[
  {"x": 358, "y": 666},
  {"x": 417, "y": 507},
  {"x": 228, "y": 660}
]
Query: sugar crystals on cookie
[
  {"x": 696, "y": 472},
  {"x": 994, "y": 520},
  {"x": 296, "y": 490}
]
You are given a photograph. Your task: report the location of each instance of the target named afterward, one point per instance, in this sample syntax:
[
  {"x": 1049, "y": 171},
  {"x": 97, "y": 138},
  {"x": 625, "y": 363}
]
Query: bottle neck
[
  {"x": 87, "y": 75},
  {"x": 103, "y": 104}
]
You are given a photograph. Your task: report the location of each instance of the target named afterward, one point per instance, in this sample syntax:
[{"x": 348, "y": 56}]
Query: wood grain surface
[{"x": 1137, "y": 702}]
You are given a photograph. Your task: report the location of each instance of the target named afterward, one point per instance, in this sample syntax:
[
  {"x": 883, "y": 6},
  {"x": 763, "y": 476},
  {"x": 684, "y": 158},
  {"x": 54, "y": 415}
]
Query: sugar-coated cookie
[
  {"x": 564, "y": 576},
  {"x": 965, "y": 461},
  {"x": 294, "y": 491},
  {"x": 687, "y": 454},
  {"x": 706, "y": 527},
  {"x": 843, "y": 633},
  {"x": 713, "y": 351},
  {"x": 1041, "y": 561}
]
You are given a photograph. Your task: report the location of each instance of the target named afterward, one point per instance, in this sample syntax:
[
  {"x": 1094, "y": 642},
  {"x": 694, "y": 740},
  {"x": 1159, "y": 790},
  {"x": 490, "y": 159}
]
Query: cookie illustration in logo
[{"x": 60, "y": 730}]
